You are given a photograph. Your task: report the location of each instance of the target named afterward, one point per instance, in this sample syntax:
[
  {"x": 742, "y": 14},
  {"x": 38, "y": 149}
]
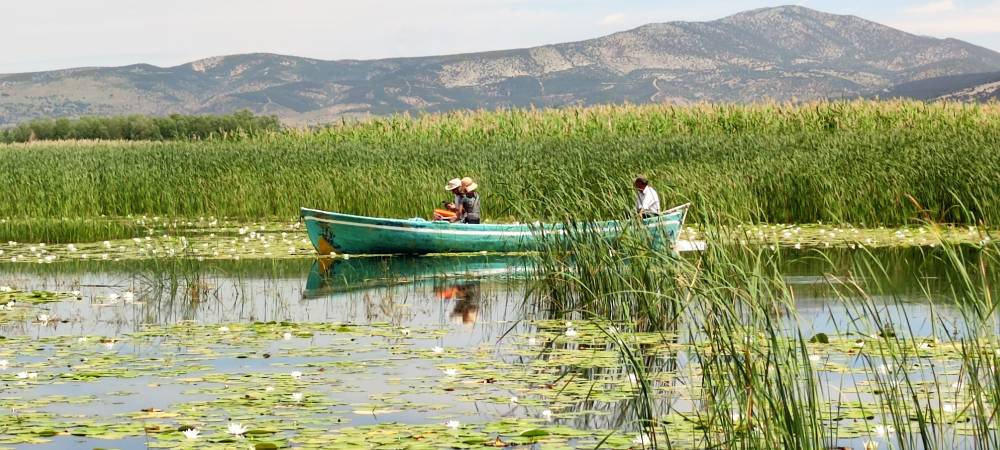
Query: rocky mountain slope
[{"x": 783, "y": 53}]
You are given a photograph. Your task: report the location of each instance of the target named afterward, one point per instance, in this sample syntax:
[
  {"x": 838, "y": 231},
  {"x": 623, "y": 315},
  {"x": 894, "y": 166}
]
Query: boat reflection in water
[{"x": 452, "y": 276}]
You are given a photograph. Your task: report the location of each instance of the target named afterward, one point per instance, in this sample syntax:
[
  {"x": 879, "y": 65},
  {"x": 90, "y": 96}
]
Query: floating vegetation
[
  {"x": 213, "y": 239},
  {"x": 297, "y": 384}
]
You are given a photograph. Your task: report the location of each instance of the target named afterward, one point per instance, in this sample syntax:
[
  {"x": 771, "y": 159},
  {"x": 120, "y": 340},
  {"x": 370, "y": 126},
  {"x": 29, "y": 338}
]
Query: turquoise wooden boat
[{"x": 335, "y": 233}]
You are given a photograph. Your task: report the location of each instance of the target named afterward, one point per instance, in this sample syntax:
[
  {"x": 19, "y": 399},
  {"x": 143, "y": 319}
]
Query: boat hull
[{"x": 335, "y": 233}]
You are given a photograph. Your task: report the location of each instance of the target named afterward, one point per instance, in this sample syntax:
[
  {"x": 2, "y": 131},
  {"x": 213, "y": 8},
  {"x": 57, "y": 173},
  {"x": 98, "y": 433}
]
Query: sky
[{"x": 41, "y": 35}]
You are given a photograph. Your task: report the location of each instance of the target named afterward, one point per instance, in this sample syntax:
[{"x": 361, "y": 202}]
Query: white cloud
[
  {"x": 932, "y": 7},
  {"x": 956, "y": 22},
  {"x": 612, "y": 19}
]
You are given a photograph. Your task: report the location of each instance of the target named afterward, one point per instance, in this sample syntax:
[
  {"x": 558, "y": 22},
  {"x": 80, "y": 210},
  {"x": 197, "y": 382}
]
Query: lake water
[{"x": 312, "y": 353}]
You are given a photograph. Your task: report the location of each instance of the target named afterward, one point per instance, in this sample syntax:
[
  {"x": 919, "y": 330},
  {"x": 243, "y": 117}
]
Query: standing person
[
  {"x": 647, "y": 202},
  {"x": 470, "y": 208}
]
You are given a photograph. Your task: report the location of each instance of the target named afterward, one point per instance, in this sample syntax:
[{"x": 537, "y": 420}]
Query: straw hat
[
  {"x": 469, "y": 185},
  {"x": 454, "y": 183}
]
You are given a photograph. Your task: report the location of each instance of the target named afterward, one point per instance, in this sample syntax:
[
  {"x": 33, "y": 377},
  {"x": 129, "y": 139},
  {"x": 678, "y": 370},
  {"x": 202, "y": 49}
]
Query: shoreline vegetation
[
  {"x": 866, "y": 163},
  {"x": 140, "y": 128}
]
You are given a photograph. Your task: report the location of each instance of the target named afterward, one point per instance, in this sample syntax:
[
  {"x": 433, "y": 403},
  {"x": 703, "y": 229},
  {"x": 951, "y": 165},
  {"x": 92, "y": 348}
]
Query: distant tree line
[{"x": 141, "y": 128}]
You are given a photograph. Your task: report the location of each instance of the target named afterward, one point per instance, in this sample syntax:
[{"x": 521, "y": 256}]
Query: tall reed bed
[
  {"x": 756, "y": 377},
  {"x": 858, "y": 162}
]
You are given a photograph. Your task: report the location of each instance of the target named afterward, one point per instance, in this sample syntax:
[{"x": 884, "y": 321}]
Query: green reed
[
  {"x": 858, "y": 162},
  {"x": 754, "y": 369}
]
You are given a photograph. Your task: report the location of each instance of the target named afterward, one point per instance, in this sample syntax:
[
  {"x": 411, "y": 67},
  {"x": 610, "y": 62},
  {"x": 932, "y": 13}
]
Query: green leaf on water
[
  {"x": 820, "y": 338},
  {"x": 534, "y": 433}
]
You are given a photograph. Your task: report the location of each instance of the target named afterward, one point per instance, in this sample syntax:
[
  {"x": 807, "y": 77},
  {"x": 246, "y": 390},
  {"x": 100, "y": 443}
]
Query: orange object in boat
[{"x": 444, "y": 214}]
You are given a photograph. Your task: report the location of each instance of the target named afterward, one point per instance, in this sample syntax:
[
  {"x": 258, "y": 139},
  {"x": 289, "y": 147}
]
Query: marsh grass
[
  {"x": 759, "y": 377},
  {"x": 859, "y": 162}
]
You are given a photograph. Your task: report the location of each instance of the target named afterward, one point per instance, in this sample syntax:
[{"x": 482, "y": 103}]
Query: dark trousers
[{"x": 471, "y": 220}]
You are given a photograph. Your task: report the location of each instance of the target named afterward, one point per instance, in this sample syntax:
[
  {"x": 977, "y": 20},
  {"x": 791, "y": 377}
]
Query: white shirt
[{"x": 648, "y": 201}]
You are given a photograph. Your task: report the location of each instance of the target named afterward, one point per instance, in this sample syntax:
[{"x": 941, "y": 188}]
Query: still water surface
[{"x": 474, "y": 309}]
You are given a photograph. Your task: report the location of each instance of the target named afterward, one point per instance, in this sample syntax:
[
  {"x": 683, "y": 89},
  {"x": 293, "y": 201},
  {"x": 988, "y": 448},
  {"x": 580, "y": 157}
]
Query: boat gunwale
[{"x": 668, "y": 216}]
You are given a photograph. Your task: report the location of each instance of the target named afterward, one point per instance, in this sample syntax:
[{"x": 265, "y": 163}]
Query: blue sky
[{"x": 51, "y": 34}]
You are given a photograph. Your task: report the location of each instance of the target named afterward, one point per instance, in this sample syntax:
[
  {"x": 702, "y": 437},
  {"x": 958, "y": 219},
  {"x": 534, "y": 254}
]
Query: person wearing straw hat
[
  {"x": 470, "y": 206},
  {"x": 456, "y": 187}
]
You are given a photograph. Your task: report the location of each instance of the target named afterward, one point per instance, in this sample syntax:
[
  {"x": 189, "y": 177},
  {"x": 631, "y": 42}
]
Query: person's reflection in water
[{"x": 467, "y": 296}]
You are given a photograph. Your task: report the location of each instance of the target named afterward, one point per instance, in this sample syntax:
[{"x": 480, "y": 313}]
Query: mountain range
[{"x": 787, "y": 53}]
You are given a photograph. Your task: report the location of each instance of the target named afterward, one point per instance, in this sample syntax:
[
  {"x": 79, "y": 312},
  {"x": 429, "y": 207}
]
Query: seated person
[
  {"x": 647, "y": 201},
  {"x": 452, "y": 211},
  {"x": 470, "y": 208}
]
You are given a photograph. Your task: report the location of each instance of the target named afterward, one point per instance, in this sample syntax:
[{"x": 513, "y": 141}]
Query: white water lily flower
[
  {"x": 44, "y": 318},
  {"x": 450, "y": 372},
  {"x": 513, "y": 399},
  {"x": 223, "y": 329},
  {"x": 76, "y": 294},
  {"x": 859, "y": 343},
  {"x": 71, "y": 247},
  {"x": 110, "y": 345},
  {"x": 405, "y": 331},
  {"x": 547, "y": 415},
  {"x": 571, "y": 332},
  {"x": 3, "y": 364},
  {"x": 453, "y": 424},
  {"x": 569, "y": 324},
  {"x": 437, "y": 349},
  {"x": 924, "y": 346},
  {"x": 642, "y": 439},
  {"x": 814, "y": 358},
  {"x": 948, "y": 407},
  {"x": 532, "y": 341},
  {"x": 269, "y": 389},
  {"x": 871, "y": 445},
  {"x": 107, "y": 244},
  {"x": 297, "y": 397},
  {"x": 191, "y": 433},
  {"x": 128, "y": 296},
  {"x": 6, "y": 289},
  {"x": 236, "y": 429},
  {"x": 81, "y": 339},
  {"x": 882, "y": 430},
  {"x": 296, "y": 375}
]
